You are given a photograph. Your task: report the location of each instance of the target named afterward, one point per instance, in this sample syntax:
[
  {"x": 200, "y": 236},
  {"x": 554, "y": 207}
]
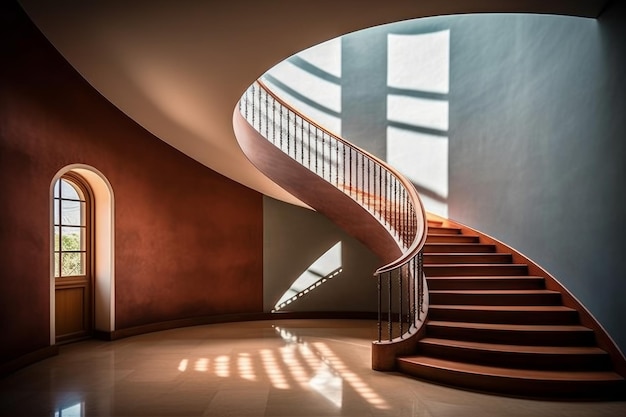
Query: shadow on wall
[
  {"x": 325, "y": 268},
  {"x": 384, "y": 89},
  {"x": 312, "y": 265}
]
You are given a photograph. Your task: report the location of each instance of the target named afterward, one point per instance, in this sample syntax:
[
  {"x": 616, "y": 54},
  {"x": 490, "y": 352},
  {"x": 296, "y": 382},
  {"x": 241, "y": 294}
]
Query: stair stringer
[{"x": 603, "y": 339}]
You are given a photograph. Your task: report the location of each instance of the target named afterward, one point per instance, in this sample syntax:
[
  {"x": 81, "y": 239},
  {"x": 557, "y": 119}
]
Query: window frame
[{"x": 87, "y": 224}]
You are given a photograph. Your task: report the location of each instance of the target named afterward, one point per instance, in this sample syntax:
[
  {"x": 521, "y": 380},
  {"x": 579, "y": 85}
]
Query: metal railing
[{"x": 382, "y": 191}]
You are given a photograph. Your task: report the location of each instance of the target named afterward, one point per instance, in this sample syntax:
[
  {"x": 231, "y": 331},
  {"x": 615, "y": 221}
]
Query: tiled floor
[{"x": 278, "y": 368}]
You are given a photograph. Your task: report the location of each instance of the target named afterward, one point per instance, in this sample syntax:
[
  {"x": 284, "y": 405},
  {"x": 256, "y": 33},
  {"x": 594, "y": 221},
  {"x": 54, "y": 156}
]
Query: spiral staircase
[{"x": 455, "y": 306}]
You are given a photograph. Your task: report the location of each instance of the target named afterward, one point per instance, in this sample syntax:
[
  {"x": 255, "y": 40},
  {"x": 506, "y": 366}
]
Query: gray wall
[
  {"x": 537, "y": 146},
  {"x": 535, "y": 141},
  {"x": 294, "y": 237}
]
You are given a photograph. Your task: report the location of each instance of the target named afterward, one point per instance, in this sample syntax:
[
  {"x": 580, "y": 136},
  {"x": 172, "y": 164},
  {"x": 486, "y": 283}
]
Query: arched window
[
  {"x": 73, "y": 272},
  {"x": 71, "y": 231}
]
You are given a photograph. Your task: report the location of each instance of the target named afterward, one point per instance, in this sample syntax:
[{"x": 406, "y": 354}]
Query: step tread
[
  {"x": 474, "y": 265},
  {"x": 448, "y": 235},
  {"x": 438, "y": 228},
  {"x": 469, "y": 253},
  {"x": 511, "y": 327},
  {"x": 458, "y": 247},
  {"x": 462, "y": 244},
  {"x": 533, "y": 308},
  {"x": 486, "y": 277},
  {"x": 499, "y": 372},
  {"x": 508, "y": 348},
  {"x": 494, "y": 292}
]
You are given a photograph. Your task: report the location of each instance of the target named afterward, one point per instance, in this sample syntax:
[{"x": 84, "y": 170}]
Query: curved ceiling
[{"x": 178, "y": 68}]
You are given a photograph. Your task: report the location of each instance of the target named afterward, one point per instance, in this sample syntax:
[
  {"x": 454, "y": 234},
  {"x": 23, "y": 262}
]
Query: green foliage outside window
[{"x": 72, "y": 262}]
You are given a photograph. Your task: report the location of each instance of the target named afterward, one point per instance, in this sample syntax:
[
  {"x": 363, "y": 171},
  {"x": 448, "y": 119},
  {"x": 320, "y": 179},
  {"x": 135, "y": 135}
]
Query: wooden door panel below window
[{"x": 72, "y": 316}]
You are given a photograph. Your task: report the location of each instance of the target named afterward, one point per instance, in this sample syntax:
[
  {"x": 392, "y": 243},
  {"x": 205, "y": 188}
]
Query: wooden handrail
[{"x": 420, "y": 238}]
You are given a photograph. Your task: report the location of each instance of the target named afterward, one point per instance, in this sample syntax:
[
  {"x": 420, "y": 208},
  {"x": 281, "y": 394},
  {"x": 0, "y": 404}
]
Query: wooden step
[
  {"x": 535, "y": 335},
  {"x": 496, "y": 297},
  {"x": 441, "y": 230},
  {"x": 444, "y": 238},
  {"x": 467, "y": 258},
  {"x": 486, "y": 283},
  {"x": 518, "y": 382},
  {"x": 550, "y": 315},
  {"x": 433, "y": 223},
  {"x": 459, "y": 248},
  {"x": 455, "y": 270},
  {"x": 573, "y": 358}
]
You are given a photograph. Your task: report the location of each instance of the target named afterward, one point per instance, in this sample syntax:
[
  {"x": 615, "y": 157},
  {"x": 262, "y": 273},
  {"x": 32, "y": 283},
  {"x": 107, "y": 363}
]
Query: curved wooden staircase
[
  {"x": 492, "y": 326},
  {"x": 462, "y": 309}
]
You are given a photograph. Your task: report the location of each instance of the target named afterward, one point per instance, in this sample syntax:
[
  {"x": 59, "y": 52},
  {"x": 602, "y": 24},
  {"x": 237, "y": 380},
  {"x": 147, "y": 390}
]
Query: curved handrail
[
  {"x": 385, "y": 193},
  {"x": 416, "y": 244}
]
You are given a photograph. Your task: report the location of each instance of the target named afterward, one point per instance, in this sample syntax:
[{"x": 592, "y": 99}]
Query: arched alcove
[{"x": 104, "y": 265}]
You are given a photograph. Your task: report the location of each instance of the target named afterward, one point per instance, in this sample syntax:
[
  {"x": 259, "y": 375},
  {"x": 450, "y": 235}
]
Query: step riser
[
  {"x": 530, "y": 337},
  {"x": 497, "y": 258},
  {"x": 486, "y": 284},
  {"x": 548, "y": 299},
  {"x": 439, "y": 230},
  {"x": 458, "y": 248},
  {"x": 515, "y": 386},
  {"x": 571, "y": 362},
  {"x": 451, "y": 239},
  {"x": 506, "y": 317},
  {"x": 474, "y": 270}
]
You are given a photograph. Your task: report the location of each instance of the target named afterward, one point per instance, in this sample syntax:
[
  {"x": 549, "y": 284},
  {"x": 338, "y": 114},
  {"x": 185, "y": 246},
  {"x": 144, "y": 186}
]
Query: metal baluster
[
  {"x": 350, "y": 172},
  {"x": 400, "y": 296},
  {"x": 280, "y": 126},
  {"x": 288, "y": 132},
  {"x": 267, "y": 115},
  {"x": 380, "y": 192},
  {"x": 420, "y": 269},
  {"x": 395, "y": 205},
  {"x": 415, "y": 288},
  {"x": 274, "y": 121},
  {"x": 369, "y": 193},
  {"x": 380, "y": 297},
  {"x": 337, "y": 164},
  {"x": 316, "y": 157},
  {"x": 409, "y": 281},
  {"x": 309, "y": 145},
  {"x": 362, "y": 179},
  {"x": 259, "y": 108},
  {"x": 253, "y": 105},
  {"x": 389, "y": 309}
]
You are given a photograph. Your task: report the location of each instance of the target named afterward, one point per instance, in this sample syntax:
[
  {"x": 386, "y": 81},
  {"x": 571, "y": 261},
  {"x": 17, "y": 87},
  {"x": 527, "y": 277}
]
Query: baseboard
[
  {"x": 231, "y": 318},
  {"x": 28, "y": 359}
]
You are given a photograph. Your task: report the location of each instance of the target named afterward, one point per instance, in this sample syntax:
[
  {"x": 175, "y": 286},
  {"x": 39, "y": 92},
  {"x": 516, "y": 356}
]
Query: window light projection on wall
[
  {"x": 74, "y": 410},
  {"x": 418, "y": 68},
  {"x": 326, "y": 267},
  {"x": 311, "y": 82}
]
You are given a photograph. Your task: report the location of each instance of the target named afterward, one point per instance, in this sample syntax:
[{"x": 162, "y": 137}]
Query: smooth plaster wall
[
  {"x": 536, "y": 137},
  {"x": 537, "y": 150},
  {"x": 188, "y": 241},
  {"x": 294, "y": 238}
]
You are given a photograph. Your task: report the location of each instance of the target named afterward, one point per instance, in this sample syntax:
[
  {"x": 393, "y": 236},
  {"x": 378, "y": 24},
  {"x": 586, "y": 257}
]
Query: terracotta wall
[{"x": 188, "y": 241}]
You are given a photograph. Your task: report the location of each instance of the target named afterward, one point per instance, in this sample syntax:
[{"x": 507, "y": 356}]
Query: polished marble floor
[{"x": 265, "y": 368}]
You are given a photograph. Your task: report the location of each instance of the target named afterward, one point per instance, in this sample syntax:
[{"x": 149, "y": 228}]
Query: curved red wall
[{"x": 188, "y": 241}]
